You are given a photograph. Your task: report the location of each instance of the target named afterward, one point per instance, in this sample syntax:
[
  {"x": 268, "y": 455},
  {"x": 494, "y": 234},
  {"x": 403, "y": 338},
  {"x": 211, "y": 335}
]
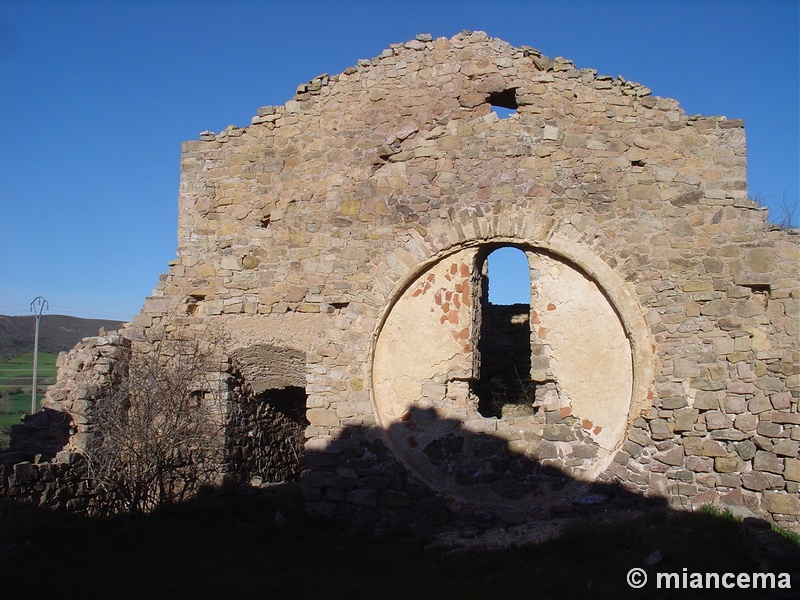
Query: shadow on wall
[
  {"x": 42, "y": 434},
  {"x": 464, "y": 476},
  {"x": 505, "y": 350},
  {"x": 458, "y": 474},
  {"x": 264, "y": 434}
]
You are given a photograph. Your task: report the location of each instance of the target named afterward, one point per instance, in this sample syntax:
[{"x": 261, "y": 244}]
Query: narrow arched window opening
[
  {"x": 504, "y": 385},
  {"x": 507, "y": 276}
]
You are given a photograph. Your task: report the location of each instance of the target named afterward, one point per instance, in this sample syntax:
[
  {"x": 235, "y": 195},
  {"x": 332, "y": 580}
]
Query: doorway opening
[{"x": 266, "y": 434}]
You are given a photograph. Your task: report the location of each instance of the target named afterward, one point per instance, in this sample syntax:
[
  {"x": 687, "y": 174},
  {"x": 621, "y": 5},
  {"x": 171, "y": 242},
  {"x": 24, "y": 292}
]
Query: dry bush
[
  {"x": 157, "y": 431},
  {"x": 788, "y": 213}
]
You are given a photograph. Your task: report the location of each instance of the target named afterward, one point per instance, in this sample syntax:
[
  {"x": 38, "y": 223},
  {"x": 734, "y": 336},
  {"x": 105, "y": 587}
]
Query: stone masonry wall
[{"x": 304, "y": 230}]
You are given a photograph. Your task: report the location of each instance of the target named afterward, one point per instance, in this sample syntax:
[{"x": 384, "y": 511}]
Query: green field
[{"x": 15, "y": 387}]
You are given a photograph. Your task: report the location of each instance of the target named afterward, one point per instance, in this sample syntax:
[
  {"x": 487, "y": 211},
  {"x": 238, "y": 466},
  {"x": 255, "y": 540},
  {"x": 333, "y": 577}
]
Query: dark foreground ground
[{"x": 236, "y": 549}]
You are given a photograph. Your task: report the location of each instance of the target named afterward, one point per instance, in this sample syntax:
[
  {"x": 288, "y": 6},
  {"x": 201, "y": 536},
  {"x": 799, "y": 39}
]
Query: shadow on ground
[{"x": 259, "y": 543}]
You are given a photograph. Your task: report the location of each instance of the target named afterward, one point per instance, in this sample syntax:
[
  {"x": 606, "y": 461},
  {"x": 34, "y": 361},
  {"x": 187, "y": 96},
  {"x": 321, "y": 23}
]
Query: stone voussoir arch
[{"x": 522, "y": 231}]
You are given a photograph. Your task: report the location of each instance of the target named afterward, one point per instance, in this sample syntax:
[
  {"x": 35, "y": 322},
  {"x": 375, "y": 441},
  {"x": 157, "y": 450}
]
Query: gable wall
[{"x": 305, "y": 229}]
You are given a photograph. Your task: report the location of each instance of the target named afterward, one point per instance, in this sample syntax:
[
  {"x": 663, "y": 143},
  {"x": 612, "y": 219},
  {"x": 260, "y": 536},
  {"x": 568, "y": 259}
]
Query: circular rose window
[{"x": 502, "y": 404}]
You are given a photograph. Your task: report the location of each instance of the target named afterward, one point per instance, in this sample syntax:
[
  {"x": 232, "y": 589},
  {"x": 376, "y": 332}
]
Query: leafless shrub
[
  {"x": 157, "y": 431},
  {"x": 789, "y": 213},
  {"x": 785, "y": 214}
]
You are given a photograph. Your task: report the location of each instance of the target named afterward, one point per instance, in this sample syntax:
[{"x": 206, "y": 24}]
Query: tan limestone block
[
  {"x": 782, "y": 503},
  {"x": 727, "y": 464},
  {"x": 250, "y": 261},
  {"x": 791, "y": 471},
  {"x": 322, "y": 417},
  {"x": 206, "y": 270},
  {"x": 760, "y": 260},
  {"x": 350, "y": 207}
]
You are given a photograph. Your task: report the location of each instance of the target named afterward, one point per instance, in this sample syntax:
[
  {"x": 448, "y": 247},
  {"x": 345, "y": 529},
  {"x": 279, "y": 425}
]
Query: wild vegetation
[{"x": 158, "y": 430}]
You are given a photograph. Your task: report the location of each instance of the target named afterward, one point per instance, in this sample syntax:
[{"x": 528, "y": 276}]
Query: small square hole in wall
[
  {"x": 504, "y": 104},
  {"x": 193, "y": 303},
  {"x": 759, "y": 288}
]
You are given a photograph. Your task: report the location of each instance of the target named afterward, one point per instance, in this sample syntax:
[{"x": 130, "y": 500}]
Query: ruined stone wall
[
  {"x": 347, "y": 228},
  {"x": 27, "y": 487},
  {"x": 84, "y": 373},
  {"x": 43, "y": 467}
]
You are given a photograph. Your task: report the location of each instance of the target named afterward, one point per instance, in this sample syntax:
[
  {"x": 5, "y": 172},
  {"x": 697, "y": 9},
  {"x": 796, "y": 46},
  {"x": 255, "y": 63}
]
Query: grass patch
[
  {"x": 17, "y": 371},
  {"x": 20, "y": 406},
  {"x": 240, "y": 552},
  {"x": 789, "y": 536},
  {"x": 726, "y": 514},
  {"x": 15, "y": 387},
  {"x": 720, "y": 513}
]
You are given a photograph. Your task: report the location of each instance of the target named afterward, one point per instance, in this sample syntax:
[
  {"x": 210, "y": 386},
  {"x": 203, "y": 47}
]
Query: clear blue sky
[{"x": 96, "y": 97}]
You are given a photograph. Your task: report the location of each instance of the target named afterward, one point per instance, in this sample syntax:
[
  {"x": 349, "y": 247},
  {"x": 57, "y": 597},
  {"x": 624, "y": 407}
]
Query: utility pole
[{"x": 37, "y": 306}]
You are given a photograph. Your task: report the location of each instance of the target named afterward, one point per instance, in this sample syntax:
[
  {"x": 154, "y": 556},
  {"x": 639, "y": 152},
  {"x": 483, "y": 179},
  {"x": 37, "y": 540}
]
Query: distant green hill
[{"x": 57, "y": 333}]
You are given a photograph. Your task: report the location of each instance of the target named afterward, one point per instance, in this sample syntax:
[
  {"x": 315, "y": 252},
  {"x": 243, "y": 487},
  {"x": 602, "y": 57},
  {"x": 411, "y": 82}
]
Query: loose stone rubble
[{"x": 342, "y": 236}]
